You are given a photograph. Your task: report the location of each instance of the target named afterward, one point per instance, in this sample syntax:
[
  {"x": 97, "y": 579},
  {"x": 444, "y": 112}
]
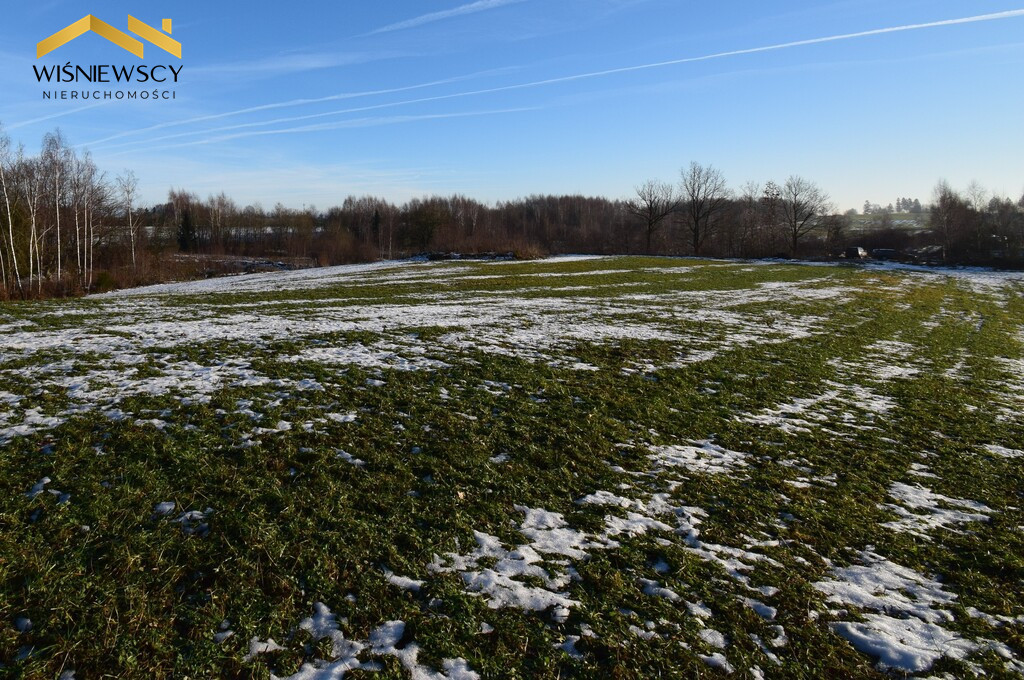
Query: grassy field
[{"x": 619, "y": 467}]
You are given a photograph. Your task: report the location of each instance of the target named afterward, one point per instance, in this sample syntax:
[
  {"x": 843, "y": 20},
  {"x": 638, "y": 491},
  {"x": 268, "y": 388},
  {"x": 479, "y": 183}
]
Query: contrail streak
[
  {"x": 570, "y": 78},
  {"x": 352, "y": 123},
  {"x": 281, "y": 105},
  {"x": 54, "y": 115},
  {"x": 275, "y": 121},
  {"x": 734, "y": 53},
  {"x": 471, "y": 8}
]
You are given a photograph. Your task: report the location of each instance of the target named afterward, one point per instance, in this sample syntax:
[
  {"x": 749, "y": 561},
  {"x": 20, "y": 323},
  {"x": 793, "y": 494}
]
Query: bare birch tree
[
  {"x": 127, "y": 186},
  {"x": 6, "y": 168}
]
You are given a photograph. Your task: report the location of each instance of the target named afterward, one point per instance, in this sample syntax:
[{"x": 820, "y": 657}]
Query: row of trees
[
  {"x": 903, "y": 205},
  {"x": 698, "y": 215},
  {"x": 977, "y": 227},
  {"x": 797, "y": 219},
  {"x": 760, "y": 220},
  {"x": 370, "y": 227},
  {"x": 67, "y": 227},
  {"x": 61, "y": 219}
]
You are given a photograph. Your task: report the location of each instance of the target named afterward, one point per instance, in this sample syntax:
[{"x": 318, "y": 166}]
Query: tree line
[
  {"x": 903, "y": 205},
  {"x": 699, "y": 217},
  {"x": 67, "y": 227}
]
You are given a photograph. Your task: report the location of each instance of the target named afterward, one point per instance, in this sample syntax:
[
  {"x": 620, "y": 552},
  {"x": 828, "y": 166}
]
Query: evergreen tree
[{"x": 186, "y": 233}]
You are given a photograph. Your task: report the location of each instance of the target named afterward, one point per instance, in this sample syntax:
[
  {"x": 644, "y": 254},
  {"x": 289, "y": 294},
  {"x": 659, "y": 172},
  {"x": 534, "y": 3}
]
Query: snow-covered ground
[
  {"x": 91, "y": 350},
  {"x": 95, "y": 354}
]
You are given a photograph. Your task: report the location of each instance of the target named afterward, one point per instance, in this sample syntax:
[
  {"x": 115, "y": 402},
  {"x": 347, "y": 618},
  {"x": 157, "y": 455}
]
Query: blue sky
[{"x": 305, "y": 103}]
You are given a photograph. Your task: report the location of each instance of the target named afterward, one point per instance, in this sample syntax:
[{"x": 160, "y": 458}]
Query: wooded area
[{"x": 67, "y": 227}]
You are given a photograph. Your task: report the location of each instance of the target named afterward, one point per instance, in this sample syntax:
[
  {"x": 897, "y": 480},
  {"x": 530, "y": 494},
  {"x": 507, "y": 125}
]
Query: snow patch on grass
[
  {"x": 385, "y": 640},
  {"x": 699, "y": 456},
  {"x": 921, "y": 510},
  {"x": 906, "y": 627},
  {"x": 1003, "y": 451}
]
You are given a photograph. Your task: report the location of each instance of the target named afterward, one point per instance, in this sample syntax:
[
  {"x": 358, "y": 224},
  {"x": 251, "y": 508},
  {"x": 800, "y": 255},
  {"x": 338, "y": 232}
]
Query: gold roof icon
[{"x": 114, "y": 35}]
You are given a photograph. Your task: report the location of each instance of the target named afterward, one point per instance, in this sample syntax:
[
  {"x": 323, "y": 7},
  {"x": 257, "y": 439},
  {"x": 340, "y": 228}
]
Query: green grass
[{"x": 134, "y": 595}]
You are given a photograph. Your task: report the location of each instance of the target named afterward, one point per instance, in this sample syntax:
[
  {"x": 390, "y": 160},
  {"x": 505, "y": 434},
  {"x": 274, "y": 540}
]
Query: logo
[
  {"x": 87, "y": 80},
  {"x": 114, "y": 35}
]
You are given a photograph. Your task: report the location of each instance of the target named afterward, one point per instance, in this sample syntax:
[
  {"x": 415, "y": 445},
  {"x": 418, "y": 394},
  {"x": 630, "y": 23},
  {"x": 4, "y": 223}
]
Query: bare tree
[
  {"x": 771, "y": 202},
  {"x": 30, "y": 177},
  {"x": 77, "y": 189},
  {"x": 748, "y": 217},
  {"x": 977, "y": 195},
  {"x": 56, "y": 160},
  {"x": 5, "y": 168},
  {"x": 802, "y": 202},
  {"x": 92, "y": 193},
  {"x": 948, "y": 216},
  {"x": 835, "y": 227},
  {"x": 127, "y": 185},
  {"x": 703, "y": 195},
  {"x": 654, "y": 202}
]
